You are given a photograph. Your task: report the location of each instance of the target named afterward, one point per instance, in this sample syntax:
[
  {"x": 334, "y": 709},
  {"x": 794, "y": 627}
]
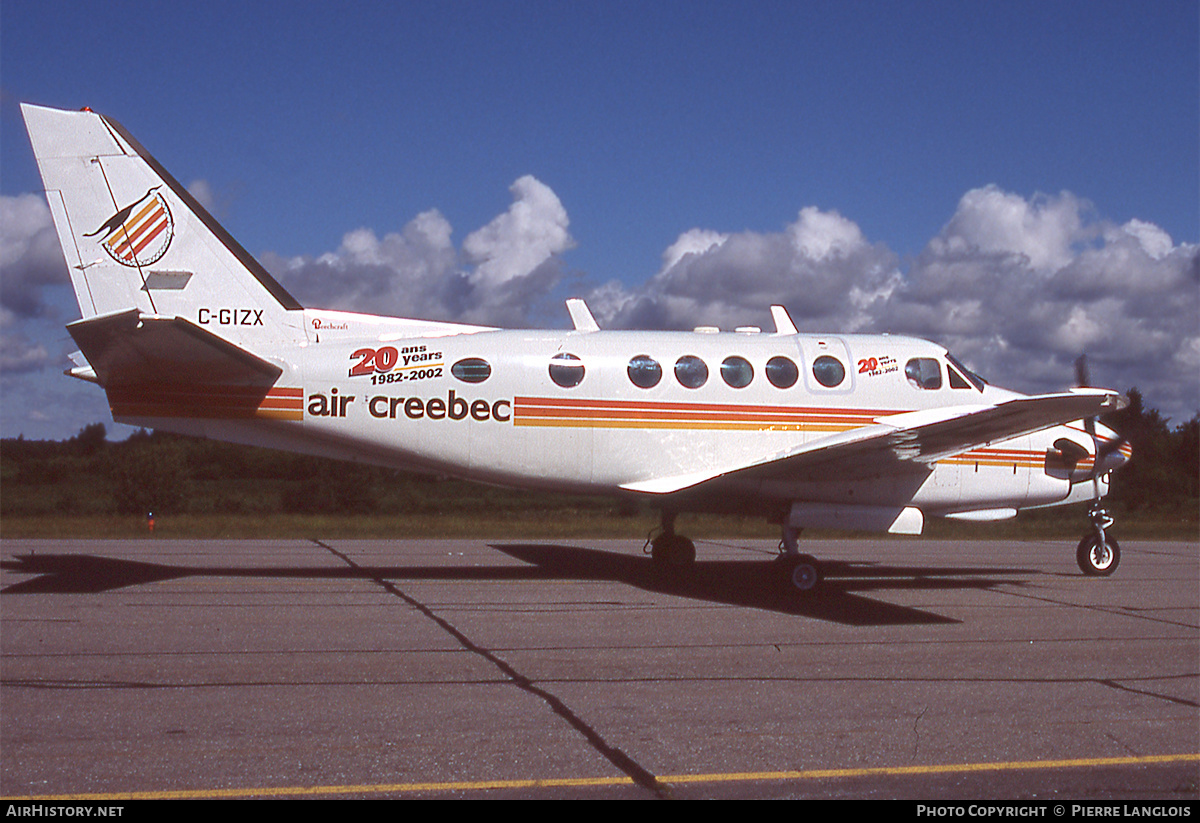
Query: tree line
[{"x": 170, "y": 474}]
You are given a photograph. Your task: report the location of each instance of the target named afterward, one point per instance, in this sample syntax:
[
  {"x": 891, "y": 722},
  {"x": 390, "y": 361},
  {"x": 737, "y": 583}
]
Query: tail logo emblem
[{"x": 140, "y": 233}]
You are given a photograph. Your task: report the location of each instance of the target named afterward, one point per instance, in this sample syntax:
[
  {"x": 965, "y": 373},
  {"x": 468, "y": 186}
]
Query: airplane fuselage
[{"x": 607, "y": 411}]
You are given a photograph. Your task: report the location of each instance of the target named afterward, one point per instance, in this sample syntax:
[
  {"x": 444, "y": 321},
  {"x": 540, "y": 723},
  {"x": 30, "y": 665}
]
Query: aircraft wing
[{"x": 907, "y": 441}]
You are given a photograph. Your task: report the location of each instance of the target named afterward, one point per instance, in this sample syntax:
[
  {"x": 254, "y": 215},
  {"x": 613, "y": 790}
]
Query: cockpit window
[
  {"x": 566, "y": 370},
  {"x": 644, "y": 371},
  {"x": 924, "y": 373},
  {"x": 976, "y": 381},
  {"x": 737, "y": 372},
  {"x": 956, "y": 379}
]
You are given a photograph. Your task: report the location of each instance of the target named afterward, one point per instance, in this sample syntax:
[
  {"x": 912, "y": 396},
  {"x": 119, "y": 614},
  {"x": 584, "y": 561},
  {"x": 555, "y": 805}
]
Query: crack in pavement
[{"x": 614, "y": 755}]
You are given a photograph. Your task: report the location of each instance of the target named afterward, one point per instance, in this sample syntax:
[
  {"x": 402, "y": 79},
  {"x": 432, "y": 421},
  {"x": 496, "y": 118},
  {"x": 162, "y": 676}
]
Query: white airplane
[{"x": 186, "y": 332}]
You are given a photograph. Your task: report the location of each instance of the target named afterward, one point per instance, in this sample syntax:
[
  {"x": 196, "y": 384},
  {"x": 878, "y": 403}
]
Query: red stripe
[{"x": 159, "y": 215}]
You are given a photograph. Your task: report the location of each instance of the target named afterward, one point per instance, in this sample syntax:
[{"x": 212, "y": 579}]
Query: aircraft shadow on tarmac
[
  {"x": 748, "y": 583},
  {"x": 756, "y": 583}
]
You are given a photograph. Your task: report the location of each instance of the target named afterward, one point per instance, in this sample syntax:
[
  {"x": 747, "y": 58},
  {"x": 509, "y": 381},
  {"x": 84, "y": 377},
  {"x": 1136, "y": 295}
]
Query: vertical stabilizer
[{"x": 134, "y": 238}]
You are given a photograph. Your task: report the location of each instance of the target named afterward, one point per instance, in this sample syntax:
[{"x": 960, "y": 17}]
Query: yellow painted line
[
  {"x": 954, "y": 768},
  {"x": 306, "y": 791},
  {"x": 582, "y": 782}
]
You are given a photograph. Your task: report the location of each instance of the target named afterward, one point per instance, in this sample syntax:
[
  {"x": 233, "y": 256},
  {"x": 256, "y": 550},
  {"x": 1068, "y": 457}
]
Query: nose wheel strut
[{"x": 1098, "y": 555}]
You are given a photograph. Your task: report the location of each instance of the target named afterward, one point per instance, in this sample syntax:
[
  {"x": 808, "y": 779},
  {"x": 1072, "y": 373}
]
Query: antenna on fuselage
[
  {"x": 581, "y": 315},
  {"x": 783, "y": 321}
]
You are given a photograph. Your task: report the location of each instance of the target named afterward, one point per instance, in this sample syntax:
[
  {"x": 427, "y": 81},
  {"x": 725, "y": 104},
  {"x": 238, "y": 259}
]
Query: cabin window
[
  {"x": 644, "y": 371},
  {"x": 829, "y": 371},
  {"x": 782, "y": 372},
  {"x": 472, "y": 370},
  {"x": 566, "y": 370},
  {"x": 691, "y": 371},
  {"x": 737, "y": 372},
  {"x": 924, "y": 373}
]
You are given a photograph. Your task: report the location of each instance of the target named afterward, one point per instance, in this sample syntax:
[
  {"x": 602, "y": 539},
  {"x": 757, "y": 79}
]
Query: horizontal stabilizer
[{"x": 130, "y": 348}]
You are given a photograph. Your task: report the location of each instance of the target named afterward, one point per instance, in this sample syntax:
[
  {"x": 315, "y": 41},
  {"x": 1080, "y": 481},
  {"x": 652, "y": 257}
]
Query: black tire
[
  {"x": 800, "y": 575},
  {"x": 1095, "y": 563},
  {"x": 672, "y": 551}
]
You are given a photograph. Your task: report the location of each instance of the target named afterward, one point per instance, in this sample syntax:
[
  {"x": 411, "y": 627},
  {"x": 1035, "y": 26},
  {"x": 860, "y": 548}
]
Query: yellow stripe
[
  {"x": 719, "y": 777},
  {"x": 952, "y": 768},
  {"x": 419, "y": 366},
  {"x": 968, "y": 461}
]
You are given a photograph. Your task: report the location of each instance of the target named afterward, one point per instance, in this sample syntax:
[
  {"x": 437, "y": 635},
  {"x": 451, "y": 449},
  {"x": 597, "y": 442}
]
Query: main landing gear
[
  {"x": 671, "y": 550},
  {"x": 1098, "y": 554},
  {"x": 799, "y": 573}
]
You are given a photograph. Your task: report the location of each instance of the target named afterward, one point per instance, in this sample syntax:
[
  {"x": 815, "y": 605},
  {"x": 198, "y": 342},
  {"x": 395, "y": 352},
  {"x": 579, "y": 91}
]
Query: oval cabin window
[
  {"x": 737, "y": 372},
  {"x": 829, "y": 371},
  {"x": 644, "y": 371},
  {"x": 566, "y": 370},
  {"x": 691, "y": 371},
  {"x": 782, "y": 372},
  {"x": 472, "y": 370}
]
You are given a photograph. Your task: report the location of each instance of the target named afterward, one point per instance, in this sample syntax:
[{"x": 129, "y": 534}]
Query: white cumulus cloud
[
  {"x": 417, "y": 272},
  {"x": 820, "y": 266}
]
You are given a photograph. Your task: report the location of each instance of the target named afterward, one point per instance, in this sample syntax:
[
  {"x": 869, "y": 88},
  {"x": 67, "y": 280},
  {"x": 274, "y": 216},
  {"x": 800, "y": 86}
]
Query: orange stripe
[
  {"x": 281, "y": 403},
  {"x": 695, "y": 425},
  {"x": 656, "y": 414},
  {"x": 643, "y": 414},
  {"x": 157, "y": 222},
  {"x": 158, "y": 229},
  {"x": 146, "y": 209},
  {"x": 729, "y": 407},
  {"x": 134, "y": 221},
  {"x": 210, "y": 413},
  {"x": 207, "y": 402}
]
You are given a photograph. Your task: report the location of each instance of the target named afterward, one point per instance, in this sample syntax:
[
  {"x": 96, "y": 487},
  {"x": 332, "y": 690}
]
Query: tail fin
[{"x": 134, "y": 238}]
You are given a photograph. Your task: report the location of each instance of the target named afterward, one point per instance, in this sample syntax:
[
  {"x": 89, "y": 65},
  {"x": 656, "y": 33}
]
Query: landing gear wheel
[
  {"x": 1096, "y": 560},
  {"x": 800, "y": 574},
  {"x": 671, "y": 550}
]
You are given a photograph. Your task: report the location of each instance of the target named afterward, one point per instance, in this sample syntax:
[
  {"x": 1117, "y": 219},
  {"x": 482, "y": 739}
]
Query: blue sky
[{"x": 670, "y": 145}]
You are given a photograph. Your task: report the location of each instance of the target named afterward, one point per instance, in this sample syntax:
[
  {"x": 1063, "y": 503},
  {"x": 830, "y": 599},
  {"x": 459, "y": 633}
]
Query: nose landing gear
[{"x": 1098, "y": 554}]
